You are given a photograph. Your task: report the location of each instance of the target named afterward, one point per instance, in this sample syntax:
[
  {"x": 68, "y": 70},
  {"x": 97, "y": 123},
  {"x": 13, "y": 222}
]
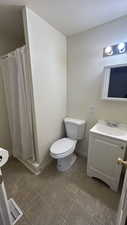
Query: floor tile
[
  {"x": 55, "y": 198},
  {"x": 23, "y": 221}
]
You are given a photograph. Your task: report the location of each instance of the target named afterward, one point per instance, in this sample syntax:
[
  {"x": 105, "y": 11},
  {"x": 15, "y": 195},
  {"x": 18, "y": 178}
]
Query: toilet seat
[{"x": 62, "y": 148}]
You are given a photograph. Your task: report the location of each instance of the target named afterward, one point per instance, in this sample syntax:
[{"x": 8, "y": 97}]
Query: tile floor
[{"x": 55, "y": 198}]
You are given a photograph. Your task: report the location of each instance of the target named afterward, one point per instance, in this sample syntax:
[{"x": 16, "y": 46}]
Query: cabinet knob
[{"x": 122, "y": 162}]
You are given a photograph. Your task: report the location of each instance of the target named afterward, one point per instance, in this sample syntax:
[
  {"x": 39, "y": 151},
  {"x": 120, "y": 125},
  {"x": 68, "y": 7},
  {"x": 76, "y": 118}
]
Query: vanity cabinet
[{"x": 103, "y": 153}]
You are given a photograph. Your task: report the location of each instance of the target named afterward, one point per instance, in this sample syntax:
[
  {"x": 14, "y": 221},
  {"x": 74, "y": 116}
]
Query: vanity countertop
[{"x": 117, "y": 132}]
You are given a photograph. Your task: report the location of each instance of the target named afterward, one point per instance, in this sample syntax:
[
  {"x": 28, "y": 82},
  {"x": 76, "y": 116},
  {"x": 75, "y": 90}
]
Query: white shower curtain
[{"x": 17, "y": 87}]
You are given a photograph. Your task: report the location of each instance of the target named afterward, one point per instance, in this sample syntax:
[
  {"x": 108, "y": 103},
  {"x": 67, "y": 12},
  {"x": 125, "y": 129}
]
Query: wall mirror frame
[{"x": 115, "y": 83}]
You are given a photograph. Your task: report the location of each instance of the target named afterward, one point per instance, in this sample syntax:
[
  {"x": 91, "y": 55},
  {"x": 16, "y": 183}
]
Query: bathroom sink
[
  {"x": 3, "y": 156},
  {"x": 119, "y": 132}
]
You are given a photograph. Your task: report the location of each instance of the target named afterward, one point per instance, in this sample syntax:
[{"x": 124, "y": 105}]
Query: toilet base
[{"x": 64, "y": 164}]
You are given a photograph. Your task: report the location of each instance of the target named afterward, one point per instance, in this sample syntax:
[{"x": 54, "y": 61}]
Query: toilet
[{"x": 63, "y": 149}]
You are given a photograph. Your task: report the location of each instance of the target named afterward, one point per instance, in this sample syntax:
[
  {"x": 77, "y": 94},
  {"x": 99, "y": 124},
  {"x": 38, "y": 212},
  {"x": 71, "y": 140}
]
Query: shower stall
[{"x": 17, "y": 86}]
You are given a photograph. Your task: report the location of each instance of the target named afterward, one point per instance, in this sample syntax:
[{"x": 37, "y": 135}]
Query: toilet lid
[{"x": 62, "y": 145}]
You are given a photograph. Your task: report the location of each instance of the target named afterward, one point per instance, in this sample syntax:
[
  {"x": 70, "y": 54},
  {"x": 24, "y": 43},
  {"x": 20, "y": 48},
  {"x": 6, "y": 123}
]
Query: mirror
[{"x": 115, "y": 83}]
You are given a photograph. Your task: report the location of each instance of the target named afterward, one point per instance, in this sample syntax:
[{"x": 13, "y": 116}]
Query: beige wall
[
  {"x": 8, "y": 44},
  {"x": 85, "y": 74},
  {"x": 48, "y": 65}
]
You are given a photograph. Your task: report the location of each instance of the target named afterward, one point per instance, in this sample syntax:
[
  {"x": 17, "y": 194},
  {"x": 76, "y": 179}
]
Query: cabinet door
[{"x": 104, "y": 155}]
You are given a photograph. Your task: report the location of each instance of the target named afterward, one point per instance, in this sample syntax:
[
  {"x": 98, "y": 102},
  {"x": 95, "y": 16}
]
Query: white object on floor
[
  {"x": 5, "y": 216},
  {"x": 15, "y": 211},
  {"x": 63, "y": 149},
  {"x": 106, "y": 145},
  {"x": 3, "y": 156},
  {"x": 9, "y": 211}
]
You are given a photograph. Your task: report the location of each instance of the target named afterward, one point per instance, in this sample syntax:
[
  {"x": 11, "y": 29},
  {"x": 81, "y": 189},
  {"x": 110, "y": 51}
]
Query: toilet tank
[{"x": 75, "y": 129}]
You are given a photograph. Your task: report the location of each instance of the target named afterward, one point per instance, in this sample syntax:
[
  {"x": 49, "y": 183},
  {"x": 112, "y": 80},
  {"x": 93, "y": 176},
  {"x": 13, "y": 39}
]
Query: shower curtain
[{"x": 17, "y": 87}]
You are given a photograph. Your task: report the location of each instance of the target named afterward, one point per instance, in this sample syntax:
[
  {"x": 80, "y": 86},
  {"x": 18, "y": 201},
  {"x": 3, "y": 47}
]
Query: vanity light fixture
[
  {"x": 121, "y": 47},
  {"x": 118, "y": 49},
  {"x": 109, "y": 50}
]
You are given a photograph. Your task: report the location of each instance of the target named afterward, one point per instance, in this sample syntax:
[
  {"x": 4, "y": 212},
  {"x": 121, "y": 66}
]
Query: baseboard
[
  {"x": 43, "y": 165},
  {"x": 31, "y": 166},
  {"x": 81, "y": 154},
  {"x": 35, "y": 167}
]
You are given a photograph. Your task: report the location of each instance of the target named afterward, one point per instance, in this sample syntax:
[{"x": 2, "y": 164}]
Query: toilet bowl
[{"x": 63, "y": 149}]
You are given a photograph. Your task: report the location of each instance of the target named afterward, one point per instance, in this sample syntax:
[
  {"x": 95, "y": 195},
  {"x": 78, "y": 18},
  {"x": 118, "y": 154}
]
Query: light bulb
[
  {"x": 109, "y": 50},
  {"x": 121, "y": 47}
]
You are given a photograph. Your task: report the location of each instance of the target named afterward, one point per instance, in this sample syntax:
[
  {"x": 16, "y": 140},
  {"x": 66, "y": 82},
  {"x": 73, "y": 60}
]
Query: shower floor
[{"x": 54, "y": 198}]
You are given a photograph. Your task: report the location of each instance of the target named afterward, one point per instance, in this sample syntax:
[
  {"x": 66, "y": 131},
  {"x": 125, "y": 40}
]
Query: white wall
[
  {"x": 85, "y": 74},
  {"x": 48, "y": 65}
]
